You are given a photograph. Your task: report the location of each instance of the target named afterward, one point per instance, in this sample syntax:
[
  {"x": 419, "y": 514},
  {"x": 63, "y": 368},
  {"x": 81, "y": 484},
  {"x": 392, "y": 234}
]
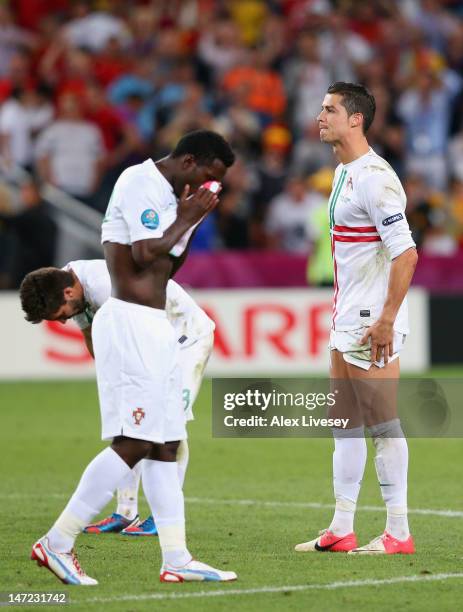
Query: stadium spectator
[
  {"x": 309, "y": 154},
  {"x": 139, "y": 80},
  {"x": 30, "y": 233},
  {"x": 239, "y": 124},
  {"x": 274, "y": 41},
  {"x": 265, "y": 94},
  {"x": 456, "y": 155},
  {"x": 122, "y": 140},
  {"x": 70, "y": 151},
  {"x": 22, "y": 116},
  {"x": 425, "y": 109},
  {"x": 454, "y": 51},
  {"x": 231, "y": 215},
  {"x": 94, "y": 30},
  {"x": 143, "y": 24},
  {"x": 419, "y": 206},
  {"x": 6, "y": 241},
  {"x": 12, "y": 39},
  {"x": 177, "y": 88},
  {"x": 455, "y": 207},
  {"x": 66, "y": 69},
  {"x": 220, "y": 48},
  {"x": 250, "y": 16},
  {"x": 320, "y": 265},
  {"x": 145, "y": 72},
  {"x": 435, "y": 22},
  {"x": 288, "y": 220},
  {"x": 306, "y": 80},
  {"x": 438, "y": 241},
  {"x": 18, "y": 75},
  {"x": 111, "y": 62},
  {"x": 342, "y": 51},
  {"x": 188, "y": 114},
  {"x": 270, "y": 175}
]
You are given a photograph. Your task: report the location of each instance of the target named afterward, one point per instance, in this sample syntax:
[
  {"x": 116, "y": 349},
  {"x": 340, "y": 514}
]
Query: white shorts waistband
[{"x": 123, "y": 305}]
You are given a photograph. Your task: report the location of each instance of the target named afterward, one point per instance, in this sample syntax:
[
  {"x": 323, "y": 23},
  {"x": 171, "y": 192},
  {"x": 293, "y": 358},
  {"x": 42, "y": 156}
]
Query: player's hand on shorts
[
  {"x": 381, "y": 335},
  {"x": 193, "y": 208}
]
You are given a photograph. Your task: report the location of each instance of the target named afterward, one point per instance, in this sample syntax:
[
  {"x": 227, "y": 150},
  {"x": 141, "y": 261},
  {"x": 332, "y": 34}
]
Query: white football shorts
[
  {"x": 139, "y": 384},
  {"x": 193, "y": 360},
  {"x": 348, "y": 343}
]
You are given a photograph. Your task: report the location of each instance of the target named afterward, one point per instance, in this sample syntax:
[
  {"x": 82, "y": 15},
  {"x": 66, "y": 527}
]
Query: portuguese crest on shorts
[{"x": 138, "y": 414}]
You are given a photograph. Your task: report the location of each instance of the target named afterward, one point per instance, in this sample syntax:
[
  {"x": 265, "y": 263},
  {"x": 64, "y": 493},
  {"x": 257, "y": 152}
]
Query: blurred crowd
[{"x": 88, "y": 88}]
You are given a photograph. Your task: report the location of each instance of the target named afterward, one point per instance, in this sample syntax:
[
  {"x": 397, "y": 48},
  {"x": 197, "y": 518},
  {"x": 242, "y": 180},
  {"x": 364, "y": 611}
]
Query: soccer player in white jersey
[
  {"x": 77, "y": 291},
  {"x": 374, "y": 260},
  {"x": 145, "y": 236}
]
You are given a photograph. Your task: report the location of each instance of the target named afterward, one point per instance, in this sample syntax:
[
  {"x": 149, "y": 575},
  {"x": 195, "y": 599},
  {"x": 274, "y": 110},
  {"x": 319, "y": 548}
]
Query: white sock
[
  {"x": 165, "y": 497},
  {"x": 94, "y": 491},
  {"x": 391, "y": 463},
  {"x": 127, "y": 493},
  {"x": 349, "y": 458},
  {"x": 183, "y": 455}
]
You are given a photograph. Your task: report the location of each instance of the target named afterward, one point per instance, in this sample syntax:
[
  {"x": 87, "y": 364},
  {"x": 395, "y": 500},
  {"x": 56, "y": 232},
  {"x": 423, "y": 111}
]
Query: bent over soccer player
[
  {"x": 77, "y": 291},
  {"x": 374, "y": 260},
  {"x": 136, "y": 355}
]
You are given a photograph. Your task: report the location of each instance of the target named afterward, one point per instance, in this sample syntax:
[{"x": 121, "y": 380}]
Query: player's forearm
[
  {"x": 146, "y": 251},
  {"x": 402, "y": 270}
]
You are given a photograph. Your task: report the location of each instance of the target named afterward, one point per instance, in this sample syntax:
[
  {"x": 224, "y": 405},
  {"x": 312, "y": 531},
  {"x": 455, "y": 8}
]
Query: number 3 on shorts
[{"x": 186, "y": 398}]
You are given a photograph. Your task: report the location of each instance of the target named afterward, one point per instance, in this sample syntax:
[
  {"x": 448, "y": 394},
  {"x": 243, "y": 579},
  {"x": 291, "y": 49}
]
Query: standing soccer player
[
  {"x": 374, "y": 259},
  {"x": 145, "y": 236}
]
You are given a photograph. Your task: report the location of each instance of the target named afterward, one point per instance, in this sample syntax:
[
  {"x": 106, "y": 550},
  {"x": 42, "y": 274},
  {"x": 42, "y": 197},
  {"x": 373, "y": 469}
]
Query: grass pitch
[{"x": 248, "y": 503}]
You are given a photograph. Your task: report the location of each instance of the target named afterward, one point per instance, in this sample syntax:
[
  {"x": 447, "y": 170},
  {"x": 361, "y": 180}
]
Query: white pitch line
[
  {"x": 269, "y": 589},
  {"x": 314, "y": 505},
  {"x": 265, "y": 504}
]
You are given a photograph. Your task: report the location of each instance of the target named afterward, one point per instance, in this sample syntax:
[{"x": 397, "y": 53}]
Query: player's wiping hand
[
  {"x": 193, "y": 208},
  {"x": 381, "y": 336}
]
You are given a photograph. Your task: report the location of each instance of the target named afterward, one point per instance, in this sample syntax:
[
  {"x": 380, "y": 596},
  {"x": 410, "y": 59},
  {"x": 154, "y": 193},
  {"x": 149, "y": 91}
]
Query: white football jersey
[
  {"x": 368, "y": 230},
  {"x": 189, "y": 321},
  {"x": 142, "y": 206}
]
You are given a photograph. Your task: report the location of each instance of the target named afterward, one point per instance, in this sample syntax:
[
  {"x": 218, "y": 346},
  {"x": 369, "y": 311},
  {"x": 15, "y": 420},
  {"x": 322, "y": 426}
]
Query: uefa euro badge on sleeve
[{"x": 150, "y": 219}]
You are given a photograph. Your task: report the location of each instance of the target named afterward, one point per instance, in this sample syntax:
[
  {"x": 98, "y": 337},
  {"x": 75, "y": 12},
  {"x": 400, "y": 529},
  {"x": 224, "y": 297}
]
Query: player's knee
[
  {"x": 387, "y": 429},
  {"x": 383, "y": 433}
]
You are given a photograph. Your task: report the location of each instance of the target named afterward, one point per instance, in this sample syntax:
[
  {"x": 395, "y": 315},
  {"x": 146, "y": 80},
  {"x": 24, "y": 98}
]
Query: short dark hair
[
  {"x": 41, "y": 292},
  {"x": 356, "y": 99},
  {"x": 205, "y": 146}
]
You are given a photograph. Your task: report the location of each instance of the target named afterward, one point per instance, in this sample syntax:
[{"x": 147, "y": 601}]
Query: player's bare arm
[
  {"x": 190, "y": 211},
  {"x": 381, "y": 333}
]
